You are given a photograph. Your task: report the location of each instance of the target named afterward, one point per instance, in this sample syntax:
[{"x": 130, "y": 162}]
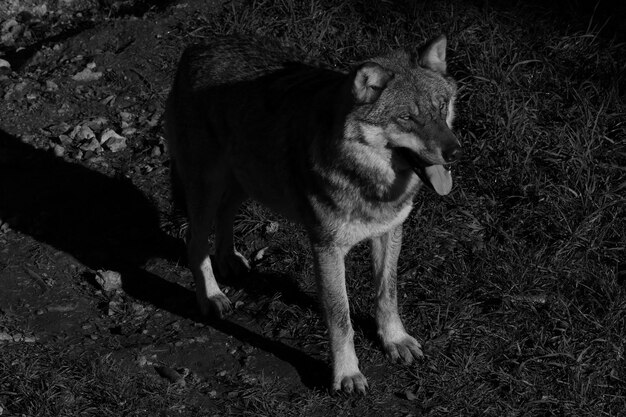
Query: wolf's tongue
[{"x": 440, "y": 178}]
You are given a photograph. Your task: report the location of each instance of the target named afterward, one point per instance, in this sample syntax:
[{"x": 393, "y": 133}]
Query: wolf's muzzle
[{"x": 451, "y": 153}]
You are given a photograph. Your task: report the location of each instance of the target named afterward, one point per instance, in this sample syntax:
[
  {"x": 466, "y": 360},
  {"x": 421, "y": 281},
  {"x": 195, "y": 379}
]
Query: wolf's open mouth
[{"x": 437, "y": 177}]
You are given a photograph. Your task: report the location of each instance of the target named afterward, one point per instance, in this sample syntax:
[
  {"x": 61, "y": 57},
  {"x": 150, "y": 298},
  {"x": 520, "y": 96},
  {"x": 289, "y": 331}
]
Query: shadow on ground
[{"x": 107, "y": 223}]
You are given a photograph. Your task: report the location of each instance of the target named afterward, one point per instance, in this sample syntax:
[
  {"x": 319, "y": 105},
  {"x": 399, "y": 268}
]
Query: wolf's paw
[
  {"x": 350, "y": 383},
  {"x": 403, "y": 347},
  {"x": 216, "y": 306},
  {"x": 233, "y": 265}
]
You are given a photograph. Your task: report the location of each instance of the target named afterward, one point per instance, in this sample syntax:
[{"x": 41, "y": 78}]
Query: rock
[
  {"x": 11, "y": 31},
  {"x": 59, "y": 129},
  {"x": 260, "y": 254},
  {"x": 62, "y": 308},
  {"x": 272, "y": 227},
  {"x": 65, "y": 140},
  {"x": 5, "y": 64},
  {"x": 129, "y": 131},
  {"x": 85, "y": 133},
  {"x": 90, "y": 146},
  {"x": 58, "y": 150},
  {"x": 16, "y": 337},
  {"x": 113, "y": 141},
  {"x": 127, "y": 118},
  {"x": 96, "y": 124},
  {"x": 109, "y": 280},
  {"x": 410, "y": 395},
  {"x": 114, "y": 307},
  {"x": 108, "y": 100},
  {"x": 7, "y": 25},
  {"x": 87, "y": 74},
  {"x": 51, "y": 86}
]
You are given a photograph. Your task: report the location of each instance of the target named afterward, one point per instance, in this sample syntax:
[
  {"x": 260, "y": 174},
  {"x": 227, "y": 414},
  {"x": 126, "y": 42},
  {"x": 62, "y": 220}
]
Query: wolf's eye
[{"x": 405, "y": 117}]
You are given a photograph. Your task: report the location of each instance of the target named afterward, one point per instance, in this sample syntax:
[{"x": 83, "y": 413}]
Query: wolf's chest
[{"x": 351, "y": 229}]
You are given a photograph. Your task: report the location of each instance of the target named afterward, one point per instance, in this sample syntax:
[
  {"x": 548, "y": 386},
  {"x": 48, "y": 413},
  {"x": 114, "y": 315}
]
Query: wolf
[{"x": 341, "y": 153}]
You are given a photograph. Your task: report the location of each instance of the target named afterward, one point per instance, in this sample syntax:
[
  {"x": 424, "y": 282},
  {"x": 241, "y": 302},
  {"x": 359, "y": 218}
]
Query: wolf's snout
[{"x": 451, "y": 153}]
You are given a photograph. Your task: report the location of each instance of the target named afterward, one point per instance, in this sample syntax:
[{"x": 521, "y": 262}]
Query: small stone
[
  {"x": 7, "y": 25},
  {"x": 58, "y": 150},
  {"x": 126, "y": 116},
  {"x": 272, "y": 228},
  {"x": 27, "y": 138},
  {"x": 129, "y": 131},
  {"x": 108, "y": 100},
  {"x": 90, "y": 146},
  {"x": 260, "y": 254},
  {"x": 87, "y": 74},
  {"x": 65, "y": 139},
  {"x": 63, "y": 308},
  {"x": 156, "y": 151},
  {"x": 85, "y": 133},
  {"x": 109, "y": 280},
  {"x": 113, "y": 141},
  {"x": 59, "y": 129},
  {"x": 96, "y": 124},
  {"x": 410, "y": 395},
  {"x": 5, "y": 64},
  {"x": 51, "y": 86},
  {"x": 138, "y": 309}
]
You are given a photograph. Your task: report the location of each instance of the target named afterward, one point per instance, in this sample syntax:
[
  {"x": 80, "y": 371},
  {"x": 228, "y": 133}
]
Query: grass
[
  {"x": 514, "y": 275},
  {"x": 512, "y": 282}
]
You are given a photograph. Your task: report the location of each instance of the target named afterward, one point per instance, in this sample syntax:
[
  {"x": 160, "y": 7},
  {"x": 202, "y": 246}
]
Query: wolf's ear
[
  {"x": 434, "y": 55},
  {"x": 370, "y": 80}
]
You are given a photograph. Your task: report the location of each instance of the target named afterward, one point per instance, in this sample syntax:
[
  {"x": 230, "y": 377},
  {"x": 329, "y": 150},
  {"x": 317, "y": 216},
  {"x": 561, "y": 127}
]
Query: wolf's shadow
[{"x": 107, "y": 223}]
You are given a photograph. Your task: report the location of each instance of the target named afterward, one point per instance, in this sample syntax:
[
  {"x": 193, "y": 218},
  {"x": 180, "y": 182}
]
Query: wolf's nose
[{"x": 452, "y": 154}]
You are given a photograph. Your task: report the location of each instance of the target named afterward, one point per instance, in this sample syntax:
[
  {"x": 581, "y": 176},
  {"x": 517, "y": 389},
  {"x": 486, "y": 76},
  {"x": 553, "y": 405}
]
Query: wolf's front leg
[
  {"x": 331, "y": 284},
  {"x": 398, "y": 344}
]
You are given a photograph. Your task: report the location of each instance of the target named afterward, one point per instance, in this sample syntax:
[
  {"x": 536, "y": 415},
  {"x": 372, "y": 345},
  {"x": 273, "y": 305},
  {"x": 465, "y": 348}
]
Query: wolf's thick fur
[{"x": 336, "y": 152}]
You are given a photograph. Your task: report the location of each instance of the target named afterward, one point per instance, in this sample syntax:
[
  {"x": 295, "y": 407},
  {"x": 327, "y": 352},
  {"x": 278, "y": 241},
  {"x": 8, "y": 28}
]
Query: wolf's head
[{"x": 406, "y": 103}]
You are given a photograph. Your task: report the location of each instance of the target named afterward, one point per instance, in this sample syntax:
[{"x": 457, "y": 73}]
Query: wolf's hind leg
[
  {"x": 397, "y": 343},
  {"x": 202, "y": 203},
  {"x": 230, "y": 263}
]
